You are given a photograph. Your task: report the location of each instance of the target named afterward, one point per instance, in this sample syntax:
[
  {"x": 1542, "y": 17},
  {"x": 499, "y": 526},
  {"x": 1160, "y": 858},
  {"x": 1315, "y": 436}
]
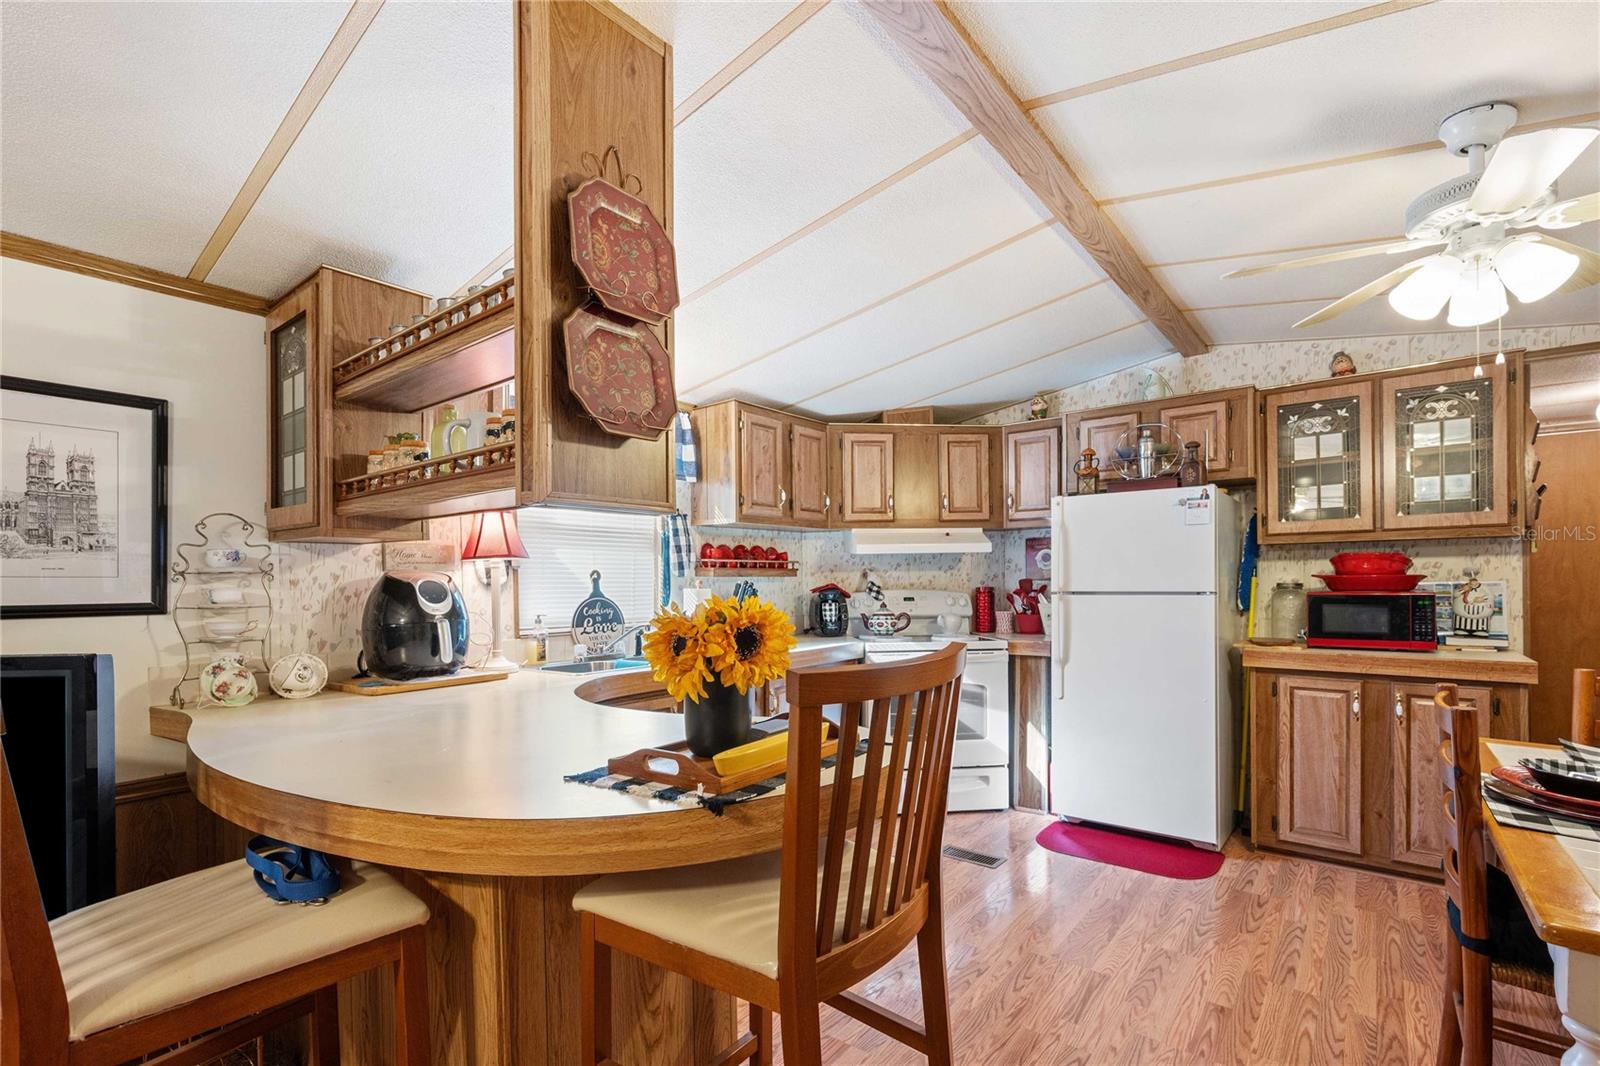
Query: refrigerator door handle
[{"x": 1058, "y": 642}]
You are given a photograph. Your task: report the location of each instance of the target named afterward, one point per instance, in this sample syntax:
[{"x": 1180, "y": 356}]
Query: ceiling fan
[{"x": 1475, "y": 218}]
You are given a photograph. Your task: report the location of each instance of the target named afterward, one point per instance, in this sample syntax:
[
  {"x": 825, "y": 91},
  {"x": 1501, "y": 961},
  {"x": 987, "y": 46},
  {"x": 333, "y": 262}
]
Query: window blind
[{"x": 565, "y": 545}]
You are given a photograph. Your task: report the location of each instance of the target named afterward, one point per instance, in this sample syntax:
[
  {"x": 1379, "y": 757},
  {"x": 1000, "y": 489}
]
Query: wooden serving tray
[
  {"x": 692, "y": 772},
  {"x": 377, "y": 686}
]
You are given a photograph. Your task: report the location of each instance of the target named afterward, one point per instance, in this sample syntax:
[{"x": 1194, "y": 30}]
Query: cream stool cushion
[
  {"x": 172, "y": 943},
  {"x": 728, "y": 909}
]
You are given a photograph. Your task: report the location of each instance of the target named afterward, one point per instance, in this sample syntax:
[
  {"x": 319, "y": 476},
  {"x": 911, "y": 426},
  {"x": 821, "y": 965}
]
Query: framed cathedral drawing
[{"x": 83, "y": 501}]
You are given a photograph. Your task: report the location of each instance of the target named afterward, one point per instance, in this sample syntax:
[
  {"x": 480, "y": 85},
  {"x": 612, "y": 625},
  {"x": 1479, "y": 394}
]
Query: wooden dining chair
[
  {"x": 205, "y": 958},
  {"x": 1491, "y": 936},
  {"x": 1586, "y": 706},
  {"x": 792, "y": 930}
]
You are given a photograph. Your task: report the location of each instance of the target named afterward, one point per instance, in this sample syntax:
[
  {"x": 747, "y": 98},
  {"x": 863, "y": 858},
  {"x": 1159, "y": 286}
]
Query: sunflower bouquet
[{"x": 738, "y": 644}]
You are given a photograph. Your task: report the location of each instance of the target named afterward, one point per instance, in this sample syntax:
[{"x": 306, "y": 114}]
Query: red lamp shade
[{"x": 494, "y": 536}]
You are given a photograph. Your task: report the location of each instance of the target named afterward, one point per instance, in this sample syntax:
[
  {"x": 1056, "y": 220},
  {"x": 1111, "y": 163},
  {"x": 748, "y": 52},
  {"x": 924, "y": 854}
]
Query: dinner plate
[
  {"x": 622, "y": 251},
  {"x": 1509, "y": 793},
  {"x": 1523, "y": 778},
  {"x": 1371, "y": 582},
  {"x": 1568, "y": 777}
]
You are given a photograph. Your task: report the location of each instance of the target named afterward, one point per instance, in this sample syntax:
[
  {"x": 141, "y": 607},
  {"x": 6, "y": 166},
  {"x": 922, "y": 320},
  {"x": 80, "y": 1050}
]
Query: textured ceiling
[{"x": 846, "y": 243}]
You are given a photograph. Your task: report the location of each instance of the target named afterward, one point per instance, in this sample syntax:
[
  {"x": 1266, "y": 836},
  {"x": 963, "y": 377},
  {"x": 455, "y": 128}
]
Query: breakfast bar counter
[{"x": 461, "y": 789}]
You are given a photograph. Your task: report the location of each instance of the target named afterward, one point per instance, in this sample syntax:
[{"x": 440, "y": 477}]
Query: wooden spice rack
[
  {"x": 456, "y": 358},
  {"x": 484, "y": 479}
]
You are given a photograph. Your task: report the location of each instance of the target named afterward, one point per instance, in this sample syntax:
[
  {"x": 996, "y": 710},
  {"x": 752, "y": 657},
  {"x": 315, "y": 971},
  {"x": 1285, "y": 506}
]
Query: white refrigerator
[{"x": 1142, "y": 617}]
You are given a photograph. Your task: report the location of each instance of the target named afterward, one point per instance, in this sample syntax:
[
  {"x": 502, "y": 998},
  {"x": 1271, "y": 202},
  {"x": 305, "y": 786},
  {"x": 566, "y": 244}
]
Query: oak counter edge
[{"x": 1508, "y": 668}]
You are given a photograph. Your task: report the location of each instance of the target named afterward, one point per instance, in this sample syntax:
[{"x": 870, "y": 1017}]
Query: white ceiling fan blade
[
  {"x": 1588, "y": 272},
  {"x": 1569, "y": 213},
  {"x": 1387, "y": 248},
  {"x": 1372, "y": 288},
  {"x": 1525, "y": 166}
]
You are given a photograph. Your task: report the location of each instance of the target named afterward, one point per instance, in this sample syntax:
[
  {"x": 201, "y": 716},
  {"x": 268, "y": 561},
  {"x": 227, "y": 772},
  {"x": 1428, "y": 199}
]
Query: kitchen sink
[{"x": 594, "y": 666}]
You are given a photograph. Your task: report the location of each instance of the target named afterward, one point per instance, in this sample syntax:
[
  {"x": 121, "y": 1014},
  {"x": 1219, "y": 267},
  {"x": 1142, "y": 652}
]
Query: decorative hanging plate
[
  {"x": 622, "y": 251},
  {"x": 620, "y": 373},
  {"x": 598, "y": 621}
]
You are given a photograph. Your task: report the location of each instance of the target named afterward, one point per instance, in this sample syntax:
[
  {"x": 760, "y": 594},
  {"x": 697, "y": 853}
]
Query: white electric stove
[{"x": 980, "y": 769}]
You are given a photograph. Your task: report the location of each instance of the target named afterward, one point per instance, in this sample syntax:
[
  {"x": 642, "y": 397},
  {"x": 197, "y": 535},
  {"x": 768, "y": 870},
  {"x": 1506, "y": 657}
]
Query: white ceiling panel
[
  {"x": 1042, "y": 48},
  {"x": 1351, "y": 202},
  {"x": 706, "y": 35},
  {"x": 1376, "y": 317},
  {"x": 826, "y": 115},
  {"x": 1058, "y": 370},
  {"x": 1021, "y": 340},
  {"x": 950, "y": 210},
  {"x": 1036, "y": 269},
  {"x": 128, "y": 128},
  {"x": 1288, "y": 104},
  {"x": 352, "y": 193}
]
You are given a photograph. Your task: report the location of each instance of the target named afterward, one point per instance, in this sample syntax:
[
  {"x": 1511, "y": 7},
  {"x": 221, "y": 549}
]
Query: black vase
[{"x": 718, "y": 722}]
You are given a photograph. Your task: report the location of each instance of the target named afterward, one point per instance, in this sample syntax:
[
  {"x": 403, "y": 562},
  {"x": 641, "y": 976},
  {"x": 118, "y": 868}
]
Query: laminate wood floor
[{"x": 1276, "y": 960}]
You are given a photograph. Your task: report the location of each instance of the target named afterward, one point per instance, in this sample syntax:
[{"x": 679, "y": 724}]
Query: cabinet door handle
[
  {"x": 1355, "y": 707},
  {"x": 1010, "y": 504},
  {"x": 944, "y": 502},
  {"x": 1400, "y": 708},
  {"x": 827, "y": 503},
  {"x": 891, "y": 503},
  {"x": 783, "y": 497}
]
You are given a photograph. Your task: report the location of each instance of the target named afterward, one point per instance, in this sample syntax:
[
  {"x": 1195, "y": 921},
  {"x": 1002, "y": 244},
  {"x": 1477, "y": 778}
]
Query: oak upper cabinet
[
  {"x": 964, "y": 494},
  {"x": 1443, "y": 457},
  {"x": 310, "y": 443},
  {"x": 809, "y": 499},
  {"x": 1417, "y": 826},
  {"x": 1222, "y": 423},
  {"x": 1319, "y": 761},
  {"x": 759, "y": 467},
  {"x": 1318, "y": 470},
  {"x": 1101, "y": 430},
  {"x": 763, "y": 444},
  {"x": 1032, "y": 472},
  {"x": 866, "y": 487}
]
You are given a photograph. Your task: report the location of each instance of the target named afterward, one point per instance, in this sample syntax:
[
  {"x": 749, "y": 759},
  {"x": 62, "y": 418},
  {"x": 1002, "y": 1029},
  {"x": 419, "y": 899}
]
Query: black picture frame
[{"x": 156, "y": 603}]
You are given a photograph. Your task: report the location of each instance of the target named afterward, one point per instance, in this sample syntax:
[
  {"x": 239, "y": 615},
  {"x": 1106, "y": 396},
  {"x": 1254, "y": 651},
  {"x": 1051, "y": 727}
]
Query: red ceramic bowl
[
  {"x": 741, "y": 552},
  {"x": 1371, "y": 563},
  {"x": 723, "y": 552},
  {"x": 708, "y": 550}
]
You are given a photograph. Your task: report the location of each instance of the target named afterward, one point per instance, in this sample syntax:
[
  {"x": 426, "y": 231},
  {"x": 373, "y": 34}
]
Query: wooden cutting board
[{"x": 379, "y": 686}]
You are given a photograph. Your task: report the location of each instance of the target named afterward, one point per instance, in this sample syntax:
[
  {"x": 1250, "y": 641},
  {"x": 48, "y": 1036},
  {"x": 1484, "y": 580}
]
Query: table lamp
[{"x": 493, "y": 538}]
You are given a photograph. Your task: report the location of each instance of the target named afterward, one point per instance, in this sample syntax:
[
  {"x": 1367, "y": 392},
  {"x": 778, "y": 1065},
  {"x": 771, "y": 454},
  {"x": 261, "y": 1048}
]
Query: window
[{"x": 565, "y": 545}]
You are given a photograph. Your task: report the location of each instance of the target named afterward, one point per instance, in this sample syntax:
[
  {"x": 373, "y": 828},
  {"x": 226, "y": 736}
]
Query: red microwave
[{"x": 1386, "y": 621}]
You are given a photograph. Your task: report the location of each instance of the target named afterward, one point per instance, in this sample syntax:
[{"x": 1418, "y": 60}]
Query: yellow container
[{"x": 770, "y": 749}]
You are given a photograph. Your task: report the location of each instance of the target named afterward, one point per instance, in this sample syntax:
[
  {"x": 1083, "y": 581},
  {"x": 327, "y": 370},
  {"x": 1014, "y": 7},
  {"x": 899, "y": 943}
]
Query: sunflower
[
  {"x": 678, "y": 652},
  {"x": 752, "y": 639}
]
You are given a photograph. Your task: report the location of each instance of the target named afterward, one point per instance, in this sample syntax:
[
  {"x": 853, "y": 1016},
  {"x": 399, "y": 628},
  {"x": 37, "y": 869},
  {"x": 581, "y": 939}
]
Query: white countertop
[{"x": 493, "y": 750}]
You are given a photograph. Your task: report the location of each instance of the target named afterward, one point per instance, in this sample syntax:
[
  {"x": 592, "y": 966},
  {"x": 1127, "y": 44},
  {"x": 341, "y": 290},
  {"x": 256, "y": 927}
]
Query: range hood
[{"x": 917, "y": 541}]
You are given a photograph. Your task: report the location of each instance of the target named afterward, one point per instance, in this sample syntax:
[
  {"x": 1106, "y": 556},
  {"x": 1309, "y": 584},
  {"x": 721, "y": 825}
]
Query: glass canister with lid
[{"x": 1286, "y": 612}]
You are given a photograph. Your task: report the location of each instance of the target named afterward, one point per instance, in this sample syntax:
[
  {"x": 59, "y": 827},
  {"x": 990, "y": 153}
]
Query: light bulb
[
  {"x": 1424, "y": 292},
  {"x": 1533, "y": 270},
  {"x": 1479, "y": 297}
]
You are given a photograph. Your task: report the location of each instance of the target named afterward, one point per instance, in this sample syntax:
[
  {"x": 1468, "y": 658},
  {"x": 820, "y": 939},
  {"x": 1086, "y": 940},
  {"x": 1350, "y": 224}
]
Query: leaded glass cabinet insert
[
  {"x": 1317, "y": 476},
  {"x": 289, "y": 433},
  {"x": 1444, "y": 443}
]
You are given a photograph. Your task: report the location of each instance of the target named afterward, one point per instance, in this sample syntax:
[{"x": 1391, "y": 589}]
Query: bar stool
[
  {"x": 205, "y": 958},
  {"x": 791, "y": 930}
]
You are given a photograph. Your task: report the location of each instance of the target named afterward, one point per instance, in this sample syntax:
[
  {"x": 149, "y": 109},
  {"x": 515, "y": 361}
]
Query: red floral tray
[
  {"x": 622, "y": 251},
  {"x": 620, "y": 373}
]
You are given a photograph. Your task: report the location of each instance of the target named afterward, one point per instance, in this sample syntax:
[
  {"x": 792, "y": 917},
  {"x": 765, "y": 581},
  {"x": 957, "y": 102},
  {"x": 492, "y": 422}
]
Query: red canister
[{"x": 983, "y": 609}]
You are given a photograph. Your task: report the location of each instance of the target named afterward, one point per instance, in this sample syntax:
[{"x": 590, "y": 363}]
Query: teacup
[
  {"x": 224, "y": 558},
  {"x": 227, "y": 628}
]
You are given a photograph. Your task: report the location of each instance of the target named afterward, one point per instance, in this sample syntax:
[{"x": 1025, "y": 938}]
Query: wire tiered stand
[{"x": 194, "y": 606}]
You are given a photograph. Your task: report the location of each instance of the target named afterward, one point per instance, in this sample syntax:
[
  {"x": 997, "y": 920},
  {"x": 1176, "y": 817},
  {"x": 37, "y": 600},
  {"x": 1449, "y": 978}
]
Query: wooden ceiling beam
[
  {"x": 936, "y": 41},
  {"x": 32, "y": 250}
]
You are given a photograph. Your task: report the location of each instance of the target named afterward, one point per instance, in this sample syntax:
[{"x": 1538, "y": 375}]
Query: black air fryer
[{"x": 414, "y": 625}]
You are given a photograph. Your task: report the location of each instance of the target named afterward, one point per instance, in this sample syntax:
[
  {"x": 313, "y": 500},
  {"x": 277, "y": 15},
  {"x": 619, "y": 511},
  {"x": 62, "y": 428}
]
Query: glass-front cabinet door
[
  {"x": 292, "y": 366},
  {"x": 1318, "y": 469},
  {"x": 1443, "y": 436}
]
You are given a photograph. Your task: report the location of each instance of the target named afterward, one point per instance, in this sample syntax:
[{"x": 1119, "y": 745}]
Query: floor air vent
[{"x": 976, "y": 857}]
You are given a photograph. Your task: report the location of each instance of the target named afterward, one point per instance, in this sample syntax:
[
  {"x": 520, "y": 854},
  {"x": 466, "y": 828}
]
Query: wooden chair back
[
  {"x": 33, "y": 1002},
  {"x": 907, "y": 712},
  {"x": 1586, "y": 706},
  {"x": 1465, "y": 862}
]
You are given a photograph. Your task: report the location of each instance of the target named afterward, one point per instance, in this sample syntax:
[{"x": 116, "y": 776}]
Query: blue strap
[
  {"x": 1476, "y": 945},
  {"x": 289, "y": 873}
]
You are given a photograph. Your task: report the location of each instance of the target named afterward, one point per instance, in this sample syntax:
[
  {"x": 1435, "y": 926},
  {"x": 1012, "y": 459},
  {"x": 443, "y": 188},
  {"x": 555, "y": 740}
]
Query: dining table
[
  {"x": 1557, "y": 878},
  {"x": 461, "y": 791}
]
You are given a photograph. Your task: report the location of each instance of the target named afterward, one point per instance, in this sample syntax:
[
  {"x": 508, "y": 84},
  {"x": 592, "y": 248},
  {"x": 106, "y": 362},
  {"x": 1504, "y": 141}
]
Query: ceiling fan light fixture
[
  {"x": 1533, "y": 270},
  {"x": 1478, "y": 298},
  {"x": 1423, "y": 294}
]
